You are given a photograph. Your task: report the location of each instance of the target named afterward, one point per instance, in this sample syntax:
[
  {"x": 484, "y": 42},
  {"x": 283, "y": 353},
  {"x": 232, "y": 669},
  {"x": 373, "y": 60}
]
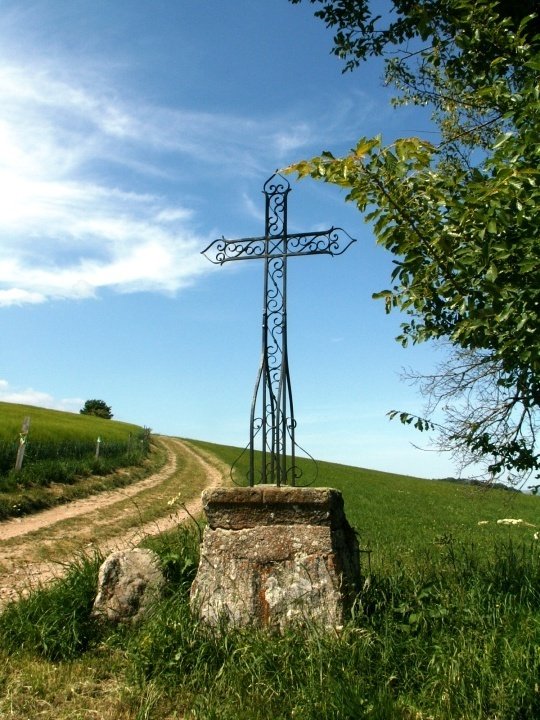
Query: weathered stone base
[{"x": 272, "y": 557}]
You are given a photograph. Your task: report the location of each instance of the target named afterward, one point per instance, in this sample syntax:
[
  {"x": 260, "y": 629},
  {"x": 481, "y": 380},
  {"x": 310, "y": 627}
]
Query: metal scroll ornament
[{"x": 272, "y": 412}]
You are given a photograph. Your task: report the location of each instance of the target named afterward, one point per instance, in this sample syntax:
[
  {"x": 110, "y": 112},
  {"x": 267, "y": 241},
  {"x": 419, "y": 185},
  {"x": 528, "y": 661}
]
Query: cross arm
[
  {"x": 221, "y": 250},
  {"x": 326, "y": 242}
]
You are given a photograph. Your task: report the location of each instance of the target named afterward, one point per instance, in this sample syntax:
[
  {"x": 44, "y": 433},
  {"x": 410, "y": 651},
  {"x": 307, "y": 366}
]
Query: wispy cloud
[
  {"x": 296, "y": 137},
  {"x": 29, "y": 396},
  {"x": 67, "y": 231},
  {"x": 82, "y": 207},
  {"x": 251, "y": 209}
]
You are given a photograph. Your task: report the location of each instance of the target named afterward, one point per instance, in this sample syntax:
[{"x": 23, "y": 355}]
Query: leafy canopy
[
  {"x": 99, "y": 408},
  {"x": 461, "y": 216}
]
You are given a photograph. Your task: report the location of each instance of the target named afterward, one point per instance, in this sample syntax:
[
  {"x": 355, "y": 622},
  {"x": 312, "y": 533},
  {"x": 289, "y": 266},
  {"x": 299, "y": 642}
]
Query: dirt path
[{"x": 37, "y": 548}]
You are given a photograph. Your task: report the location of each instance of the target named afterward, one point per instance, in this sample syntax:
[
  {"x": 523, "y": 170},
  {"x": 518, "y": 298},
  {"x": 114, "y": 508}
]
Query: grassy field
[
  {"x": 400, "y": 517},
  {"x": 57, "y": 426},
  {"x": 60, "y": 449},
  {"x": 447, "y": 626}
]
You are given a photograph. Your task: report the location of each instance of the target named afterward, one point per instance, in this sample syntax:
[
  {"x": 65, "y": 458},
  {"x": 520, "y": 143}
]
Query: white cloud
[
  {"x": 29, "y": 396},
  {"x": 295, "y": 138},
  {"x": 172, "y": 214},
  {"x": 66, "y": 232},
  {"x": 253, "y": 210},
  {"x": 17, "y": 296},
  {"x": 69, "y": 226}
]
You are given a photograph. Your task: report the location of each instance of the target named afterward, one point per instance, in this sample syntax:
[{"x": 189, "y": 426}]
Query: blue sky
[{"x": 131, "y": 135}]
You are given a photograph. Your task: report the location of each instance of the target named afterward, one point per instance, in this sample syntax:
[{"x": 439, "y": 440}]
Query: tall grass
[
  {"x": 60, "y": 448},
  {"x": 460, "y": 641},
  {"x": 62, "y": 461},
  {"x": 64, "y": 437},
  {"x": 54, "y": 622}
]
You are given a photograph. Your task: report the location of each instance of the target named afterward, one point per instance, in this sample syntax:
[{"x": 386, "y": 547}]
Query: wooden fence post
[
  {"x": 98, "y": 442},
  {"x": 22, "y": 443}
]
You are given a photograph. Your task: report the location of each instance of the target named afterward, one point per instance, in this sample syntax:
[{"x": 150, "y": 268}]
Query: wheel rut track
[{"x": 23, "y": 539}]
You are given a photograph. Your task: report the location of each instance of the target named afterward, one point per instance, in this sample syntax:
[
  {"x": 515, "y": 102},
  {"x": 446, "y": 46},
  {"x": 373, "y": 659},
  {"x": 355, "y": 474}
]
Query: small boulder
[{"x": 129, "y": 580}]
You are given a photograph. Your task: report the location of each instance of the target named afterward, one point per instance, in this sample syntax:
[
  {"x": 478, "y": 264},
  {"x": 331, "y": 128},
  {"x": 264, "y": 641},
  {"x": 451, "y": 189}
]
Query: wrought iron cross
[{"x": 273, "y": 392}]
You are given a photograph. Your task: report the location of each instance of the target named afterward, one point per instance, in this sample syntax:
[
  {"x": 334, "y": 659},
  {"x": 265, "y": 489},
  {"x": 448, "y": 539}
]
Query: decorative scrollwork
[
  {"x": 328, "y": 242},
  {"x": 221, "y": 250},
  {"x": 276, "y": 184},
  {"x": 276, "y": 189},
  {"x": 275, "y": 424},
  {"x": 334, "y": 241}
]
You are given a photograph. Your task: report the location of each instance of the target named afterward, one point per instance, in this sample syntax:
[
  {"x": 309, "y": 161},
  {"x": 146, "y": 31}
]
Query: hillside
[
  {"x": 399, "y": 516},
  {"x": 64, "y": 456},
  {"x": 446, "y": 626},
  {"x": 390, "y": 511},
  {"x": 58, "y": 426}
]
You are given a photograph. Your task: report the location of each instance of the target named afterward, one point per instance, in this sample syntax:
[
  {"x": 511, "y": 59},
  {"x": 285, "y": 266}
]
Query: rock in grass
[{"x": 128, "y": 582}]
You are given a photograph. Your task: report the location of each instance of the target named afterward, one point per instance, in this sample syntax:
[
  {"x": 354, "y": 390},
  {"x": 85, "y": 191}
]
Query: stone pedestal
[{"x": 275, "y": 556}]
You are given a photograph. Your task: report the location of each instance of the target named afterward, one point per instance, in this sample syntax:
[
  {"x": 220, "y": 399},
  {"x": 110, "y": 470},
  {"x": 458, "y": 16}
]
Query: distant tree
[
  {"x": 461, "y": 215},
  {"x": 98, "y": 408}
]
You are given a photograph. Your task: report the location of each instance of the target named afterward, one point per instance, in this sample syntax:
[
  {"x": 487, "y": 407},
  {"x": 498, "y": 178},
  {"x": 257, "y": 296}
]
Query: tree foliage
[
  {"x": 461, "y": 216},
  {"x": 99, "y": 408}
]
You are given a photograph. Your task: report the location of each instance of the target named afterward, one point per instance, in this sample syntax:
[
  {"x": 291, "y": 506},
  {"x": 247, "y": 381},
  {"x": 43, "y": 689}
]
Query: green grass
[
  {"x": 57, "y": 426},
  {"x": 447, "y": 626},
  {"x": 60, "y": 449},
  {"x": 55, "y": 622},
  {"x": 399, "y": 517}
]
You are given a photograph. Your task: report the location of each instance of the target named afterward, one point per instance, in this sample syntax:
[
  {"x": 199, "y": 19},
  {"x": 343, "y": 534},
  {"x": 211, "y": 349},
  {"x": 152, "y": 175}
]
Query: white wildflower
[{"x": 514, "y": 521}]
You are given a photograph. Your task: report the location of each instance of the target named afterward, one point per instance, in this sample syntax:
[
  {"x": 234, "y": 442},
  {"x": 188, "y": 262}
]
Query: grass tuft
[{"x": 54, "y": 622}]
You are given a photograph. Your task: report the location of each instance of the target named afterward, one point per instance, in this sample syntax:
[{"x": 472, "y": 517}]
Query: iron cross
[{"x": 272, "y": 414}]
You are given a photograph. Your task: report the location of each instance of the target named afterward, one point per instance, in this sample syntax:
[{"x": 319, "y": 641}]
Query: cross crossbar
[
  {"x": 272, "y": 414},
  {"x": 326, "y": 242}
]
